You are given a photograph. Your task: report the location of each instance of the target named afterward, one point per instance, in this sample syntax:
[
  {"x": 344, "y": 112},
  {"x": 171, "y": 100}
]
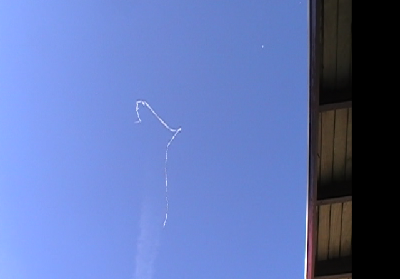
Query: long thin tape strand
[{"x": 172, "y": 130}]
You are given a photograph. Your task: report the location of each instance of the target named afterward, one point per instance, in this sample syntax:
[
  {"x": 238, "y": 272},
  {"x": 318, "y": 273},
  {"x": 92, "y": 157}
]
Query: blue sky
[{"x": 82, "y": 187}]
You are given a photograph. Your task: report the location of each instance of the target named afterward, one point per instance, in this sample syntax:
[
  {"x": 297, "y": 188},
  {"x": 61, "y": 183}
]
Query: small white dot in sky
[{"x": 262, "y": 46}]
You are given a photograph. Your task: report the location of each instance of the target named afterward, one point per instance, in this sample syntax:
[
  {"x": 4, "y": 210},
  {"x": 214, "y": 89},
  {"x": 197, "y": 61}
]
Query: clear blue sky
[{"x": 82, "y": 185}]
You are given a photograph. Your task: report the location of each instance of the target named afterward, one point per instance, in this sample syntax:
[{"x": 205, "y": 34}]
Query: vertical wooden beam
[
  {"x": 339, "y": 145},
  {"x": 314, "y": 88},
  {"x": 328, "y": 130},
  {"x": 335, "y": 230},
  {"x": 349, "y": 146},
  {"x": 319, "y": 150},
  {"x": 312, "y": 213},
  {"x": 324, "y": 214},
  {"x": 347, "y": 230}
]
